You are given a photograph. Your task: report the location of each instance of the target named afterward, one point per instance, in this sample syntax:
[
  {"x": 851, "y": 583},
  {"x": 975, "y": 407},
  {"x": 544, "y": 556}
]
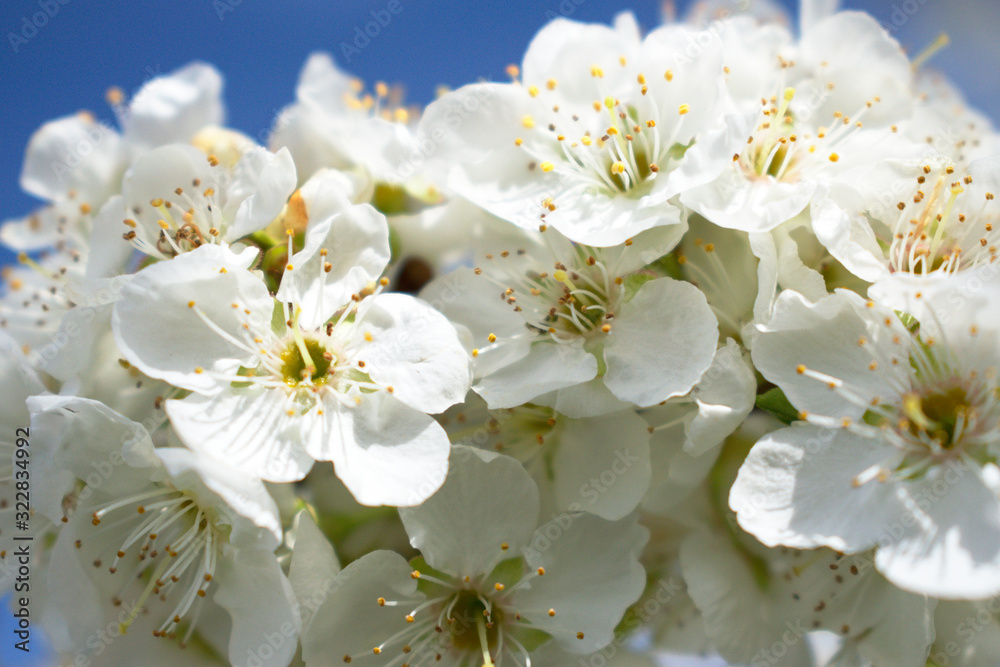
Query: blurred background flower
[{"x": 66, "y": 59}]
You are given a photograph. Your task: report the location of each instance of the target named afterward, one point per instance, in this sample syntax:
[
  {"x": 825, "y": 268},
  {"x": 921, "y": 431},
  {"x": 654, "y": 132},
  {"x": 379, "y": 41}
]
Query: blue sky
[{"x": 259, "y": 45}]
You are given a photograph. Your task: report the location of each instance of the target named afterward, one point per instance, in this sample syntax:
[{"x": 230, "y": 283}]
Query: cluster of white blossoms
[{"x": 684, "y": 342}]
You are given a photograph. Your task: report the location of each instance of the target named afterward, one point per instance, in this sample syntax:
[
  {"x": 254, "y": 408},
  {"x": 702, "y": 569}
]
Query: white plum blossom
[
  {"x": 580, "y": 329},
  {"x": 156, "y": 536},
  {"x": 335, "y": 124},
  {"x": 488, "y": 588},
  {"x": 176, "y": 198},
  {"x": 923, "y": 218},
  {"x": 899, "y": 436},
  {"x": 592, "y": 140},
  {"x": 322, "y": 374}
]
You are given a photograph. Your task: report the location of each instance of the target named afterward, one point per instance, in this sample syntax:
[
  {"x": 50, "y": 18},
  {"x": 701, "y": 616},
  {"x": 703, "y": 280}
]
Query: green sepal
[{"x": 777, "y": 404}]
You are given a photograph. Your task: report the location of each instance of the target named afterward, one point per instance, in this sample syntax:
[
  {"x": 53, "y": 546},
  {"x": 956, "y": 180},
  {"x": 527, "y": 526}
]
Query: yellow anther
[
  {"x": 547, "y": 166},
  {"x": 528, "y": 121}
]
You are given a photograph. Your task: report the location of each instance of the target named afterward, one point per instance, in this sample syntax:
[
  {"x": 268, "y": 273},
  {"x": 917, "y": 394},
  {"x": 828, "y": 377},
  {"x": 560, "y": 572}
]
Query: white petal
[
  {"x": 88, "y": 440},
  {"x": 474, "y": 129},
  {"x": 841, "y": 226},
  {"x": 824, "y": 337},
  {"x": 262, "y": 183},
  {"x": 661, "y": 342},
  {"x": 321, "y": 83},
  {"x": 564, "y": 50},
  {"x": 487, "y": 501},
  {"x": 722, "y": 584},
  {"x": 812, "y": 12},
  {"x": 154, "y": 307},
  {"x": 946, "y": 541},
  {"x": 796, "y": 488},
  {"x": 313, "y": 558},
  {"x": 602, "y": 465},
  {"x": 349, "y": 621},
  {"x": 546, "y": 367},
  {"x": 260, "y": 601},
  {"x": 415, "y": 350},
  {"x": 793, "y": 273},
  {"x": 174, "y": 107},
  {"x": 356, "y": 239},
  {"x": 737, "y": 202},
  {"x": 81, "y": 329},
  {"x": 676, "y": 473},
  {"x": 155, "y": 175},
  {"x": 384, "y": 451},
  {"x": 587, "y": 399},
  {"x": 589, "y": 588},
  {"x": 109, "y": 252},
  {"x": 645, "y": 248},
  {"x": 242, "y": 500},
  {"x": 725, "y": 396},
  {"x": 248, "y": 430},
  {"x": 74, "y": 153},
  {"x": 471, "y": 301},
  {"x": 871, "y": 65}
]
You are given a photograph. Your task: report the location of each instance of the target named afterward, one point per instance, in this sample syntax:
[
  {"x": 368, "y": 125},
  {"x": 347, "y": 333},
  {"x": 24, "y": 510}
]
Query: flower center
[
  {"x": 188, "y": 217},
  {"x": 467, "y": 612},
  {"x": 305, "y": 366},
  {"x": 565, "y": 304},
  {"x": 939, "y": 228},
  {"x": 173, "y": 546},
  {"x": 937, "y": 416},
  {"x": 619, "y": 150}
]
